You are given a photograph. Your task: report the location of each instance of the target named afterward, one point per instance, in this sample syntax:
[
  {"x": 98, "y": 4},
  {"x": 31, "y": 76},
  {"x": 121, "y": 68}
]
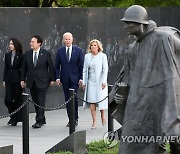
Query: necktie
[
  {"x": 67, "y": 55},
  {"x": 35, "y": 59}
]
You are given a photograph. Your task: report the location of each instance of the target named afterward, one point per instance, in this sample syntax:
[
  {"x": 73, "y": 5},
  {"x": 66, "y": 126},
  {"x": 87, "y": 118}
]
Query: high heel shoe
[{"x": 93, "y": 127}]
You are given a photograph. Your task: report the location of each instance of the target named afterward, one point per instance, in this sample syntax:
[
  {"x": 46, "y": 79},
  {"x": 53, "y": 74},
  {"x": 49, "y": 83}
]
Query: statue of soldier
[{"x": 152, "y": 73}]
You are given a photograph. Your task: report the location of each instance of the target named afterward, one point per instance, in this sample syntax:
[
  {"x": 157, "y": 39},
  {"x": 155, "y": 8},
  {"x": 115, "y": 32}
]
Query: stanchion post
[
  {"x": 71, "y": 106},
  {"x": 25, "y": 124},
  {"x": 110, "y": 119}
]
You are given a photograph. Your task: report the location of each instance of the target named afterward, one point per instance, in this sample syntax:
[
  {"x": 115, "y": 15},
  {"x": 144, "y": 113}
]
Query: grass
[
  {"x": 63, "y": 152},
  {"x": 99, "y": 147}
]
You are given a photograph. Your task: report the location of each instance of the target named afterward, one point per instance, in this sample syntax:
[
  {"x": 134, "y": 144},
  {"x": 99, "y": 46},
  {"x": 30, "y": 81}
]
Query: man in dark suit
[
  {"x": 39, "y": 70},
  {"x": 68, "y": 67}
]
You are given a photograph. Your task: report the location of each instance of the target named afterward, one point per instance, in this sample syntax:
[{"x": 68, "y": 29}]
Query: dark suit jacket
[
  {"x": 42, "y": 73},
  {"x": 12, "y": 73},
  {"x": 69, "y": 70}
]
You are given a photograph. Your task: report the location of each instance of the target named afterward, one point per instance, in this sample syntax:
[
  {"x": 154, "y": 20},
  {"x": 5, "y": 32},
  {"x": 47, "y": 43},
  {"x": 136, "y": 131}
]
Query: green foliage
[
  {"x": 168, "y": 148},
  {"x": 117, "y": 3},
  {"x": 11, "y": 3},
  {"x": 87, "y": 3},
  {"x": 63, "y": 152},
  {"x": 124, "y": 3},
  {"x": 99, "y": 147},
  {"x": 158, "y": 2}
]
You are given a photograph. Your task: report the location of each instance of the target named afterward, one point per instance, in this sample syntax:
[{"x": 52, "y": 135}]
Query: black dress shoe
[
  {"x": 37, "y": 125},
  {"x": 10, "y": 122},
  {"x": 76, "y": 123},
  {"x": 14, "y": 123},
  {"x": 43, "y": 123},
  {"x": 67, "y": 124}
]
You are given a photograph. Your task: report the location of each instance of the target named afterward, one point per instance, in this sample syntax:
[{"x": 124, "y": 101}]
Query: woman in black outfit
[{"x": 12, "y": 79}]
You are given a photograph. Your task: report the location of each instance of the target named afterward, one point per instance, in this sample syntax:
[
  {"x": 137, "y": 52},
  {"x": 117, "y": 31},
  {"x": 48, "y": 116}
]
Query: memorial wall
[{"x": 84, "y": 23}]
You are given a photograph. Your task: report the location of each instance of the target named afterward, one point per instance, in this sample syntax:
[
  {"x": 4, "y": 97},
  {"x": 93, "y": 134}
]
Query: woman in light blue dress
[{"x": 95, "y": 73}]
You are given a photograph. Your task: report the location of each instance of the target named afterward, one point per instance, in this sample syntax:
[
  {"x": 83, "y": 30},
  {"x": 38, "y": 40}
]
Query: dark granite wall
[{"x": 84, "y": 23}]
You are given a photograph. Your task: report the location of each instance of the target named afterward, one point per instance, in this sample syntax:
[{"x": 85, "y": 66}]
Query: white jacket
[{"x": 101, "y": 72}]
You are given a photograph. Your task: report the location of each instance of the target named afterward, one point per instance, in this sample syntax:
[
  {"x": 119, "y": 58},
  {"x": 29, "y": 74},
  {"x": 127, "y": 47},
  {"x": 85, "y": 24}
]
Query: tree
[
  {"x": 47, "y": 3},
  {"x": 27, "y": 3},
  {"x": 11, "y": 3},
  {"x": 86, "y": 3},
  {"x": 31, "y": 3}
]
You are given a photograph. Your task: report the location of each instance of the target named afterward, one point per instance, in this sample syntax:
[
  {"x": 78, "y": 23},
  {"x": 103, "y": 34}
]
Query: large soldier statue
[{"x": 152, "y": 73}]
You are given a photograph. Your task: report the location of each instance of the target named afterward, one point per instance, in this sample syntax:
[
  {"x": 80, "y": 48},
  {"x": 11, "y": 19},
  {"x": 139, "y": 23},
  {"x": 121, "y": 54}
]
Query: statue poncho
[{"x": 152, "y": 72}]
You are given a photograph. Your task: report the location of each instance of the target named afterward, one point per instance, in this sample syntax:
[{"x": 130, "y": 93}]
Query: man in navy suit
[
  {"x": 69, "y": 67},
  {"x": 39, "y": 70}
]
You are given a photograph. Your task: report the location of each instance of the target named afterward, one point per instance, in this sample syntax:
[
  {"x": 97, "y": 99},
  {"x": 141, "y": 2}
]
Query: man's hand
[
  {"x": 80, "y": 83},
  {"x": 51, "y": 83},
  {"x": 4, "y": 85},
  {"x": 23, "y": 85},
  {"x": 118, "y": 98},
  {"x": 58, "y": 82}
]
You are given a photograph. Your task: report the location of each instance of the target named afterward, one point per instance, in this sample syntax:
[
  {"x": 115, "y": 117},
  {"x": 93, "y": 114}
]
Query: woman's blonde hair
[{"x": 98, "y": 43}]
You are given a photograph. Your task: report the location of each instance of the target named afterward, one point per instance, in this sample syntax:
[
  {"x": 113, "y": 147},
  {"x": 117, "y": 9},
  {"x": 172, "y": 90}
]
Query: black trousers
[
  {"x": 66, "y": 93},
  {"x": 39, "y": 97},
  {"x": 13, "y": 100}
]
